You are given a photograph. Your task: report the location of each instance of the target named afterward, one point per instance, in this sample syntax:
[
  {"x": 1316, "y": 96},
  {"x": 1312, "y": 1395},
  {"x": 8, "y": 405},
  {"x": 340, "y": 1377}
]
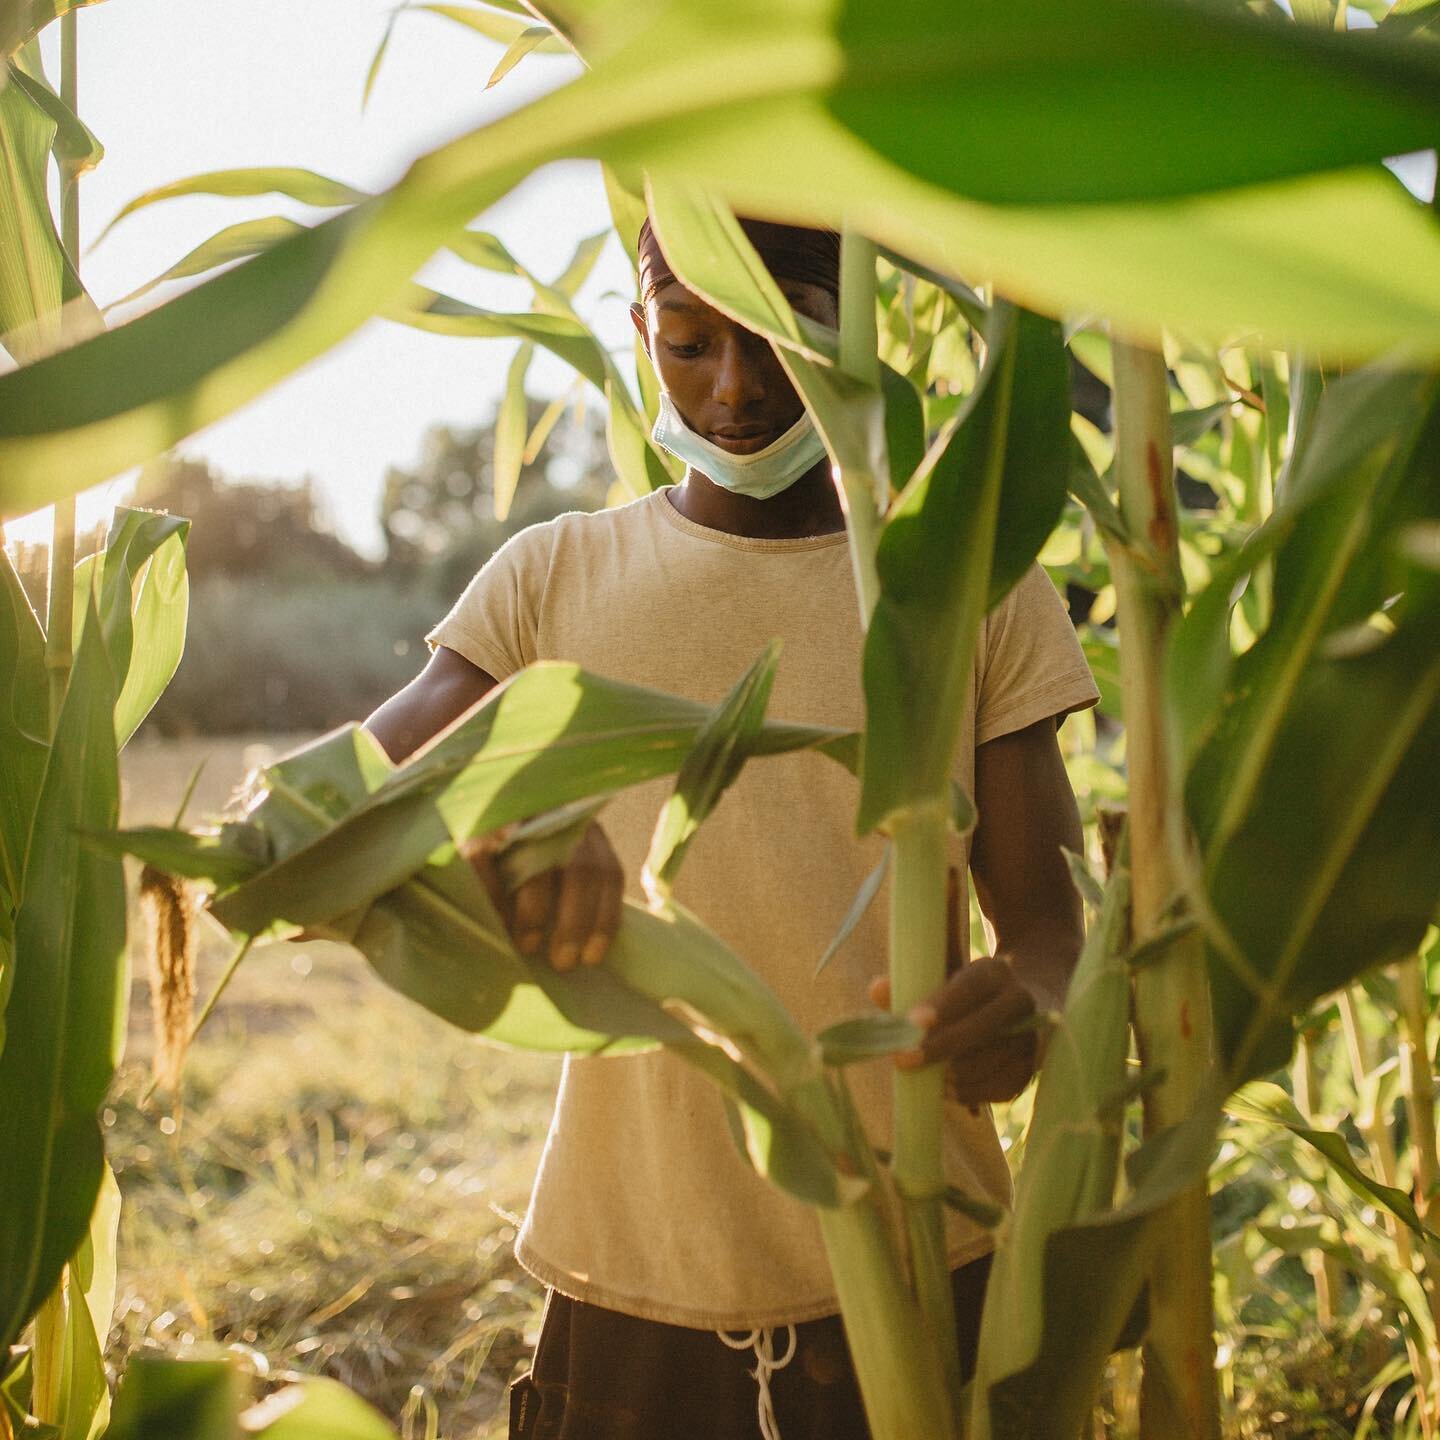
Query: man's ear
[{"x": 637, "y": 317}]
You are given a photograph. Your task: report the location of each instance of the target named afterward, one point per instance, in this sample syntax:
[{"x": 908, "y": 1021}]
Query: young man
[{"x": 672, "y": 1266}]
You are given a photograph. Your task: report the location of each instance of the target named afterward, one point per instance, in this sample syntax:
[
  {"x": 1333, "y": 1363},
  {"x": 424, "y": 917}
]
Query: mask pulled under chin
[{"x": 765, "y": 473}]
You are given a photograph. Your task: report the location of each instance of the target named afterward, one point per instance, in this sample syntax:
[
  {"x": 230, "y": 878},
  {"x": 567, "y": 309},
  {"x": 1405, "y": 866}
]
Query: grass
[{"x": 336, "y": 1188}]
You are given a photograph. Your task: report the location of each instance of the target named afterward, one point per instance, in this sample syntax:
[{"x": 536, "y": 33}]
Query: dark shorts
[{"x": 601, "y": 1375}]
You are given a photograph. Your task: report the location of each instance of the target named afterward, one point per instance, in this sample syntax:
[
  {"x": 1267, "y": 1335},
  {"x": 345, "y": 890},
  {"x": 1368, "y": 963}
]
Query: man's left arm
[{"x": 978, "y": 1021}]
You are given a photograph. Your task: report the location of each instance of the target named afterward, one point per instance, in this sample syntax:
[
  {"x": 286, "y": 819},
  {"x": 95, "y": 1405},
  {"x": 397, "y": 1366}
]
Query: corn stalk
[{"x": 1172, "y": 1006}]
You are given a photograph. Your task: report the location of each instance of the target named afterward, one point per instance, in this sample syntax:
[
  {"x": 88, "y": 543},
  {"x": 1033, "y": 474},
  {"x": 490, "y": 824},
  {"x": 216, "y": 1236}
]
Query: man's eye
[{"x": 685, "y": 352}]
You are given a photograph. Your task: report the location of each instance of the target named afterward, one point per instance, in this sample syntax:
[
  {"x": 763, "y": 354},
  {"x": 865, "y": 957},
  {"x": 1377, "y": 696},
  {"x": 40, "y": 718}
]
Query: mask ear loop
[{"x": 766, "y": 1364}]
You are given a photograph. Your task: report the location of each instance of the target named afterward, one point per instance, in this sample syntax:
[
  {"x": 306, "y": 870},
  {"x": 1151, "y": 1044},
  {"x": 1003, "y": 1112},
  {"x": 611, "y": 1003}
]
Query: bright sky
[{"x": 173, "y": 90}]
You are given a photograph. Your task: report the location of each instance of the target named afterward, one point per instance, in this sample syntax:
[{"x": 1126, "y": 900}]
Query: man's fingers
[
  {"x": 973, "y": 1032},
  {"x": 967, "y": 990},
  {"x": 575, "y": 914},
  {"x": 482, "y": 860},
  {"x": 607, "y": 921},
  {"x": 534, "y": 904}
]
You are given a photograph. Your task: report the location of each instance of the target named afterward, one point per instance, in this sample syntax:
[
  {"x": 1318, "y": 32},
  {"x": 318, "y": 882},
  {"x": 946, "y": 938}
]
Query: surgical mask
[{"x": 765, "y": 473}]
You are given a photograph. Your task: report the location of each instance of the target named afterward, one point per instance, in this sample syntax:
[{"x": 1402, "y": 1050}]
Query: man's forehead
[{"x": 674, "y": 296}]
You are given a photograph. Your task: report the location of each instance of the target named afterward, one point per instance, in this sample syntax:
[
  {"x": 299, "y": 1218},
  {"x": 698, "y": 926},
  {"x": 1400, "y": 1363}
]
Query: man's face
[{"x": 725, "y": 380}]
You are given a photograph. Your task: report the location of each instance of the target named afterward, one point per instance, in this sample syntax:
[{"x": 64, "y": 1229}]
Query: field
[{"x": 336, "y": 1188}]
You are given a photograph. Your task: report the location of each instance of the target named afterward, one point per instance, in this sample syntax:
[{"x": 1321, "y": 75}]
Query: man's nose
[{"x": 739, "y": 376}]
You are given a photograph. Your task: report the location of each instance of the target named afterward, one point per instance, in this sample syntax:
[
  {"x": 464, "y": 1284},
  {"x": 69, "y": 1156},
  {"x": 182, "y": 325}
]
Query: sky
[{"x": 174, "y": 90}]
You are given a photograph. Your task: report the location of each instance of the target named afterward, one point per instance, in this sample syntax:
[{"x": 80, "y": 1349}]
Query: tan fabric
[{"x": 642, "y": 1203}]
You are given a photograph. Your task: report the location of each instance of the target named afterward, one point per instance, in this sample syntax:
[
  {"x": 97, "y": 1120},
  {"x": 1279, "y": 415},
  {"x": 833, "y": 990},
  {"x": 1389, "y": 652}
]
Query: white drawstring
[{"x": 765, "y": 1366}]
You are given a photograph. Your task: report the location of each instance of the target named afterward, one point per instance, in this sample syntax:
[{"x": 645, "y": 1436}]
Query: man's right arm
[
  {"x": 443, "y": 691},
  {"x": 574, "y": 910}
]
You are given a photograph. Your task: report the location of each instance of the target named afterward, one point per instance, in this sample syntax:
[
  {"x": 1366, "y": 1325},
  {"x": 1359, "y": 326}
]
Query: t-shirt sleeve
[
  {"x": 1032, "y": 665},
  {"x": 494, "y": 622}
]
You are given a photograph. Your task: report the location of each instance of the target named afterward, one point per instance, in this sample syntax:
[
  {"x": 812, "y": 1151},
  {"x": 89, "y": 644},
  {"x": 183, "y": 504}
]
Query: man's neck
[{"x": 810, "y": 506}]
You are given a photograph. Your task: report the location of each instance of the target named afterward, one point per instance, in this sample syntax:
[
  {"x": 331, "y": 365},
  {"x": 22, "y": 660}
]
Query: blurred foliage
[{"x": 438, "y": 517}]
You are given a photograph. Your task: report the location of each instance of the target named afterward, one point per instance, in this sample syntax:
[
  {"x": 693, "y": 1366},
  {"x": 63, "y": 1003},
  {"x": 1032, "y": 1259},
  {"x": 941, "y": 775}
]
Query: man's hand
[
  {"x": 982, "y": 1025},
  {"x": 571, "y": 912}
]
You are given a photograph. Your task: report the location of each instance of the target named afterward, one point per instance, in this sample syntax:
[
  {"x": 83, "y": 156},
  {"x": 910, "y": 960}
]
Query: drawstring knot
[{"x": 766, "y": 1365}]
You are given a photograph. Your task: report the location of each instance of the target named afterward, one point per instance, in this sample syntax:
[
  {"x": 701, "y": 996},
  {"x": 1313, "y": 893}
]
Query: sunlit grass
[{"x": 338, "y": 1190}]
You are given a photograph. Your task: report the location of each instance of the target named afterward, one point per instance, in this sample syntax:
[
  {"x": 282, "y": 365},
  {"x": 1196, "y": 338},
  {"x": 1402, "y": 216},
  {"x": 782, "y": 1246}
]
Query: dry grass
[{"x": 336, "y": 1190}]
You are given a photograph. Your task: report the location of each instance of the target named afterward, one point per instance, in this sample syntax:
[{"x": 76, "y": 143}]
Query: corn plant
[{"x": 1252, "y": 889}]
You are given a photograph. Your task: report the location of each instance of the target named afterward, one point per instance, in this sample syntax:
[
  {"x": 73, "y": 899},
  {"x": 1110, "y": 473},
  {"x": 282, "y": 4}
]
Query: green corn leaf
[
  {"x": 582, "y": 263},
  {"x": 1341, "y": 261},
  {"x": 701, "y": 234},
  {"x": 24, "y": 726},
  {"x": 71, "y": 1388},
  {"x": 549, "y": 418},
  {"x": 234, "y": 242},
  {"x": 511, "y": 427},
  {"x": 942, "y": 562},
  {"x": 864, "y": 897},
  {"x": 69, "y": 963},
  {"x": 75, "y": 145},
  {"x": 180, "y": 1399},
  {"x": 527, "y": 40},
  {"x": 317, "y": 1408},
  {"x": 1310, "y": 748},
  {"x": 372, "y": 74},
  {"x": 504, "y": 28},
  {"x": 480, "y": 248},
  {"x": 904, "y": 427},
  {"x": 637, "y": 463},
  {"x": 306, "y": 186},
  {"x": 1127, "y": 65},
  {"x": 551, "y": 735},
  {"x": 1072, "y": 1160},
  {"x": 564, "y": 337},
  {"x": 224, "y": 857},
  {"x": 1266, "y": 1103},
  {"x": 722, "y": 745},
  {"x": 143, "y": 605},
  {"x": 22, "y": 20},
  {"x": 867, "y": 1037},
  {"x": 627, "y": 210},
  {"x": 36, "y": 275}
]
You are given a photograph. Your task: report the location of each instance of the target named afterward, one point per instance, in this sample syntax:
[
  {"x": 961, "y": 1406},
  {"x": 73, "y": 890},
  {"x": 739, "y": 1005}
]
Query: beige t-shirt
[{"x": 642, "y": 1202}]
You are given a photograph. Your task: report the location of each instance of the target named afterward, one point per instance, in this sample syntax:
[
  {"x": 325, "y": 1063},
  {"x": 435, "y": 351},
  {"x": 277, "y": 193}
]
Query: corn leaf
[
  {"x": 317, "y": 1408},
  {"x": 942, "y": 561},
  {"x": 1302, "y": 796},
  {"x": 511, "y": 427},
  {"x": 180, "y": 1399},
  {"x": 71, "y": 1389},
  {"x": 1072, "y": 1161},
  {"x": 564, "y": 337},
  {"x": 36, "y": 276},
  {"x": 1346, "y": 262},
  {"x": 1126, "y": 65},
  {"x": 506, "y": 29},
  {"x": 68, "y": 966},
  {"x": 75, "y": 145},
  {"x": 22, "y": 20},
  {"x": 1266, "y": 1103},
  {"x": 551, "y": 734},
  {"x": 24, "y": 728},
  {"x": 721, "y": 748},
  {"x": 527, "y": 40},
  {"x": 143, "y": 606},
  {"x": 306, "y": 186},
  {"x": 234, "y": 242},
  {"x": 866, "y": 1037}
]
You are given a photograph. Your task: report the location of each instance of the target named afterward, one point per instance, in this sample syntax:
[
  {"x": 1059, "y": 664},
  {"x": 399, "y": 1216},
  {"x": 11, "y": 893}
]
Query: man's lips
[{"x": 743, "y": 439}]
